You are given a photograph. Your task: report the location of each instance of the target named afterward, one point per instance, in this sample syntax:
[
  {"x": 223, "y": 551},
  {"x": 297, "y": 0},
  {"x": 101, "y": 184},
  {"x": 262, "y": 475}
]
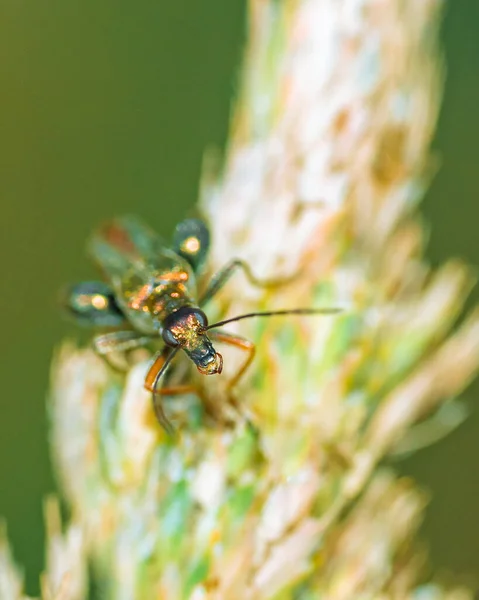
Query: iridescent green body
[
  {"x": 154, "y": 287},
  {"x": 149, "y": 280},
  {"x": 151, "y": 295}
]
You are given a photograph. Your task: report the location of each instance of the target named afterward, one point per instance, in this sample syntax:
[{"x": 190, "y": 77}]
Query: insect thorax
[{"x": 148, "y": 300}]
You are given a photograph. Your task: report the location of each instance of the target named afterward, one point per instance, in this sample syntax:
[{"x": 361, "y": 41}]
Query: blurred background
[{"x": 106, "y": 108}]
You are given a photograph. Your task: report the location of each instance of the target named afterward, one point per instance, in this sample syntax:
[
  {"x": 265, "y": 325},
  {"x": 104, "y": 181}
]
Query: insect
[{"x": 151, "y": 294}]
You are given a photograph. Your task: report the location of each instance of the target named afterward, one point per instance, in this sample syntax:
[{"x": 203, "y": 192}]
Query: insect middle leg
[
  {"x": 118, "y": 341},
  {"x": 222, "y": 277}
]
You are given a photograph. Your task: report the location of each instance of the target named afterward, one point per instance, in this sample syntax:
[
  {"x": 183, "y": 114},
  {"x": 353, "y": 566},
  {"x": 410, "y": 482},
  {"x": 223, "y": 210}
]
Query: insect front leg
[
  {"x": 223, "y": 276},
  {"x": 238, "y": 342},
  {"x": 249, "y": 349},
  {"x": 152, "y": 384},
  {"x": 118, "y": 341}
]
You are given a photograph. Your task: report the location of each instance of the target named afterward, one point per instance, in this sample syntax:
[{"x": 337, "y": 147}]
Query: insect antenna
[{"x": 274, "y": 313}]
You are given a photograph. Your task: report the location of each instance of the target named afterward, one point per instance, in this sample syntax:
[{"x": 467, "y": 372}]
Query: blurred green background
[{"x": 105, "y": 108}]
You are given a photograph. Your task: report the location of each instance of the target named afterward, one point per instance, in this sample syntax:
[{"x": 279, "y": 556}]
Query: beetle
[{"x": 150, "y": 294}]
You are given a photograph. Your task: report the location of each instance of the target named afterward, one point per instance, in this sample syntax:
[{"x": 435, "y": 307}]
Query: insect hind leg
[
  {"x": 191, "y": 240},
  {"x": 92, "y": 304}
]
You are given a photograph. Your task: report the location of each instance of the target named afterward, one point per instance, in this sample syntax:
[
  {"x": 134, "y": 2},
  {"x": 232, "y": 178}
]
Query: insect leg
[
  {"x": 92, "y": 304},
  {"x": 238, "y": 342},
  {"x": 155, "y": 373},
  {"x": 221, "y": 278},
  {"x": 118, "y": 341}
]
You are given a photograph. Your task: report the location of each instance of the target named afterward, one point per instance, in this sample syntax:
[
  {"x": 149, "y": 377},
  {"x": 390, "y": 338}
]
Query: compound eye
[
  {"x": 169, "y": 338},
  {"x": 201, "y": 317}
]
